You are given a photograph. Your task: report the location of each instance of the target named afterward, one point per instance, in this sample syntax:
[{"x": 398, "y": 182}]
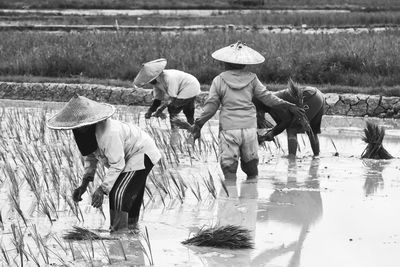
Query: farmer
[
  {"x": 173, "y": 89},
  {"x": 313, "y": 103},
  {"x": 128, "y": 152},
  {"x": 234, "y": 90}
]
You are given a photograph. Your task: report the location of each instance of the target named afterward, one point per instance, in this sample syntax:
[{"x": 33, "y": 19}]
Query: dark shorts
[
  {"x": 127, "y": 192},
  {"x": 186, "y": 105},
  {"x": 315, "y": 107}
]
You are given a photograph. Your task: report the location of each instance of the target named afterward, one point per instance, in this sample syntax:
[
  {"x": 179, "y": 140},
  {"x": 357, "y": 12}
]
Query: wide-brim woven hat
[
  {"x": 238, "y": 53},
  {"x": 78, "y": 112},
  {"x": 149, "y": 71}
]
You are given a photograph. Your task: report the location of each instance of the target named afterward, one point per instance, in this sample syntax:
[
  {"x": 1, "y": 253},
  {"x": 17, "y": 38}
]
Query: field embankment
[
  {"x": 366, "y": 60},
  {"x": 336, "y": 104}
]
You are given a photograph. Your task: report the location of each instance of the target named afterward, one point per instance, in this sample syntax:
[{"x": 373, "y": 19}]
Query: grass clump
[
  {"x": 373, "y": 136},
  {"x": 227, "y": 236}
]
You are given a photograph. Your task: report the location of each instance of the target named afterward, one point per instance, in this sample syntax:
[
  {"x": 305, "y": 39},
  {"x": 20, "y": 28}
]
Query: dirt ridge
[{"x": 357, "y": 105}]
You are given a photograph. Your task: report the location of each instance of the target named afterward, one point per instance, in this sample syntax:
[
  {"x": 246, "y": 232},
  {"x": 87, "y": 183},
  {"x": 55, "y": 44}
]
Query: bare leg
[
  {"x": 292, "y": 141},
  {"x": 314, "y": 142}
]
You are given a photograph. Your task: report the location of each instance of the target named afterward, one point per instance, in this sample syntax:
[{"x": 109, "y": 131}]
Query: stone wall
[{"x": 343, "y": 104}]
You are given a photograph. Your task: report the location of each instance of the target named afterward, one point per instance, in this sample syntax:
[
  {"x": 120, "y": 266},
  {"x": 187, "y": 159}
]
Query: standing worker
[
  {"x": 176, "y": 88},
  {"x": 313, "y": 102},
  {"x": 234, "y": 90},
  {"x": 128, "y": 152}
]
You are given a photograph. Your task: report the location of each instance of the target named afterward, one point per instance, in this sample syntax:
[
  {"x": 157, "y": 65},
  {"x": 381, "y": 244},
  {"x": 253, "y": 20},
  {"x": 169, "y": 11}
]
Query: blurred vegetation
[
  {"x": 367, "y": 60},
  {"x": 202, "y": 4},
  {"x": 313, "y": 19}
]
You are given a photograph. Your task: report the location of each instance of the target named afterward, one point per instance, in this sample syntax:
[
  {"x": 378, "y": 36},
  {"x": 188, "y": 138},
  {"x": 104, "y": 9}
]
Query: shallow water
[{"x": 327, "y": 211}]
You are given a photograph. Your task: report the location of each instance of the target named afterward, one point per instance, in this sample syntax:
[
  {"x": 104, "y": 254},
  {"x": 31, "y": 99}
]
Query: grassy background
[
  {"x": 126, "y": 4},
  {"x": 371, "y": 59},
  {"x": 326, "y": 88},
  {"x": 296, "y": 19}
]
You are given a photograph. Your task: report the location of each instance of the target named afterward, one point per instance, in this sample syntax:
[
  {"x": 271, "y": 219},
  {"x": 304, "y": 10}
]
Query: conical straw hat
[
  {"x": 150, "y": 71},
  {"x": 238, "y": 53},
  {"x": 78, "y": 112}
]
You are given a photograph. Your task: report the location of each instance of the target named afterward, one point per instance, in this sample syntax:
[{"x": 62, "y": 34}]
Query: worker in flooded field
[
  {"x": 126, "y": 151},
  {"x": 234, "y": 90},
  {"x": 173, "y": 89},
  {"x": 313, "y": 102}
]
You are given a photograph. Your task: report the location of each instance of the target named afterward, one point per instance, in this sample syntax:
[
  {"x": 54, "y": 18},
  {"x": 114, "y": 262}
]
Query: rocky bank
[{"x": 337, "y": 104}]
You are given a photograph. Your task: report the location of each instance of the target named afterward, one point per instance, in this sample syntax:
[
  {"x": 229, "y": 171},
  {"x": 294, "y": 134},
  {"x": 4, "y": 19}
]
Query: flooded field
[{"x": 326, "y": 211}]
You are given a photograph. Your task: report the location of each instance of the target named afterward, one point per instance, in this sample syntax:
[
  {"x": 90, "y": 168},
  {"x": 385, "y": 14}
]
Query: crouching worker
[
  {"x": 234, "y": 90},
  {"x": 128, "y": 152},
  {"x": 313, "y": 104},
  {"x": 176, "y": 88}
]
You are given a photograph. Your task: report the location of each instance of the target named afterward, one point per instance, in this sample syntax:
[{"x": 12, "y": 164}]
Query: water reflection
[
  {"x": 131, "y": 249},
  {"x": 297, "y": 204},
  {"x": 373, "y": 175},
  {"x": 237, "y": 205},
  {"x": 238, "y": 209}
]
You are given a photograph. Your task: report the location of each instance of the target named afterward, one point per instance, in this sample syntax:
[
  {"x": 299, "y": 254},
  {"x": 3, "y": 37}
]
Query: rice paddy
[{"x": 39, "y": 169}]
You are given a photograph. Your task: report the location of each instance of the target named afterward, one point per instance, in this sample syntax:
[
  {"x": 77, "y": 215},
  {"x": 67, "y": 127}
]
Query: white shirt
[
  {"x": 121, "y": 148},
  {"x": 177, "y": 84}
]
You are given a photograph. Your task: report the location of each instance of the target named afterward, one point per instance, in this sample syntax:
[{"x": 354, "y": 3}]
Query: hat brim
[
  {"x": 150, "y": 71},
  {"x": 56, "y": 124},
  {"x": 244, "y": 56}
]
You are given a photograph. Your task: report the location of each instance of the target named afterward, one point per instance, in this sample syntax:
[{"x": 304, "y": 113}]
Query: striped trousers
[{"x": 127, "y": 192}]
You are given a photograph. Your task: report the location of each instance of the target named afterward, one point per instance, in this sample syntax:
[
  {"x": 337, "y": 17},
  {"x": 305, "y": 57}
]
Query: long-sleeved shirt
[
  {"x": 176, "y": 84},
  {"x": 121, "y": 148},
  {"x": 282, "y": 117},
  {"x": 233, "y": 91}
]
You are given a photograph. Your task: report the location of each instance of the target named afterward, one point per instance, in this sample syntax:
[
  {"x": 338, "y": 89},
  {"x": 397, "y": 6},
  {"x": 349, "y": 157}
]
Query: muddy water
[{"x": 327, "y": 211}]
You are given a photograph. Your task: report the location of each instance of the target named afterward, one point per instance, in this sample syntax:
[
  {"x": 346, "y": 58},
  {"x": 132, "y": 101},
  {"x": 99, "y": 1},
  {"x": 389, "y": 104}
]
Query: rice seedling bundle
[
  {"x": 80, "y": 233},
  {"x": 302, "y": 122},
  {"x": 373, "y": 136},
  {"x": 181, "y": 124},
  {"x": 227, "y": 236}
]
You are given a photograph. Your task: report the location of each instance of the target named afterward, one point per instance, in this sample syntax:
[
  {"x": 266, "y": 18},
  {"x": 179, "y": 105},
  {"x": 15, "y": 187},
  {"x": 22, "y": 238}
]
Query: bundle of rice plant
[
  {"x": 373, "y": 136},
  {"x": 227, "y": 236},
  {"x": 301, "y": 122},
  {"x": 181, "y": 124},
  {"x": 79, "y": 233}
]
